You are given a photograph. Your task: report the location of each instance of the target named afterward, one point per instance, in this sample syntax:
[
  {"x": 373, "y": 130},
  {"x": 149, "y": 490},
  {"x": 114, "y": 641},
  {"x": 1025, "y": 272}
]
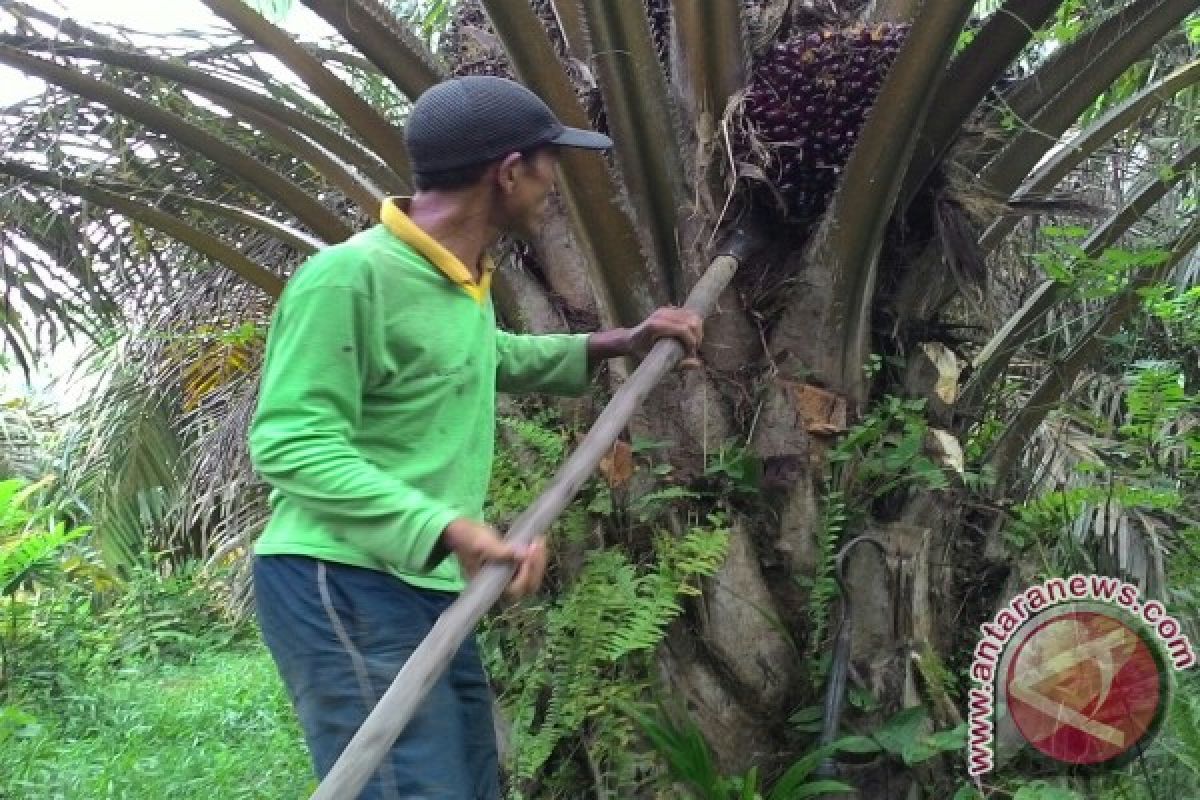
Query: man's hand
[
  {"x": 669, "y": 321},
  {"x": 476, "y": 544}
]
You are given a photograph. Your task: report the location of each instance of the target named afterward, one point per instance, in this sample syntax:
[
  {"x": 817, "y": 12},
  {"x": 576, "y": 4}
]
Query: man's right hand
[{"x": 475, "y": 544}]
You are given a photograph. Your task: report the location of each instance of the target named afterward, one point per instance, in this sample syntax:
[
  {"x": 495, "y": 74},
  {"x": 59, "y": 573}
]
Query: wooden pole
[{"x": 387, "y": 720}]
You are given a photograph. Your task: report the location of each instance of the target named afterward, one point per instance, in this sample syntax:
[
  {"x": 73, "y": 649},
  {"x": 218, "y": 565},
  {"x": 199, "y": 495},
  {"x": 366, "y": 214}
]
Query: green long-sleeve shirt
[{"x": 376, "y": 414}]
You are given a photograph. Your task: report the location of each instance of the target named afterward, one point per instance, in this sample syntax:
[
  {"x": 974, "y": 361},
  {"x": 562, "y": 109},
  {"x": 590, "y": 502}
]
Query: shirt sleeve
[
  {"x": 552, "y": 363},
  {"x": 301, "y": 438}
]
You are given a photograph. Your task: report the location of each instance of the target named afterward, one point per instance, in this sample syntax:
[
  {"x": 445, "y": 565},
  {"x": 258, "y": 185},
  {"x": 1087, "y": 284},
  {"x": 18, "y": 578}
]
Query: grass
[{"x": 219, "y": 727}]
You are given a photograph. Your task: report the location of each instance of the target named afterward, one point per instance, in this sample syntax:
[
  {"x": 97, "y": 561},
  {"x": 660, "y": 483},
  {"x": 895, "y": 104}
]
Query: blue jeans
[{"x": 339, "y": 634}]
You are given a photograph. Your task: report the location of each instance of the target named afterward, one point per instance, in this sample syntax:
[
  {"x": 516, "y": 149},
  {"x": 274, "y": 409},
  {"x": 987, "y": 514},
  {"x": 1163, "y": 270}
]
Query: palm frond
[
  {"x": 1005, "y": 172},
  {"x": 226, "y": 92},
  {"x": 381, "y": 136},
  {"x": 569, "y": 15},
  {"x": 42, "y": 248},
  {"x": 710, "y": 55},
  {"x": 25, "y": 431},
  {"x": 970, "y": 75},
  {"x": 366, "y": 196},
  {"x": 271, "y": 183},
  {"x": 223, "y": 506},
  {"x": 991, "y": 361},
  {"x": 1108, "y": 522},
  {"x": 639, "y": 114},
  {"x": 375, "y": 31},
  {"x": 1086, "y": 142},
  {"x": 1036, "y": 91},
  {"x": 1060, "y": 375},
  {"x": 293, "y": 238},
  {"x": 120, "y": 459},
  {"x": 202, "y": 242}
]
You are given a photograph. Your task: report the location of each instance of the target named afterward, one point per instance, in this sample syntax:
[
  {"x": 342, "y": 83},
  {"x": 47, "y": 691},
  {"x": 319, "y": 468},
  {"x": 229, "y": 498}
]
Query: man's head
[{"x": 486, "y": 134}]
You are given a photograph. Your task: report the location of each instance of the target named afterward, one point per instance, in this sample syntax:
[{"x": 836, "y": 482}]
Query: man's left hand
[{"x": 676, "y": 323}]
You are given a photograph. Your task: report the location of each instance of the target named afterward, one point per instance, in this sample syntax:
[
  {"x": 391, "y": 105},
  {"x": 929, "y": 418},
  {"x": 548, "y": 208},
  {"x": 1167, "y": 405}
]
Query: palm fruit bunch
[{"x": 808, "y": 98}]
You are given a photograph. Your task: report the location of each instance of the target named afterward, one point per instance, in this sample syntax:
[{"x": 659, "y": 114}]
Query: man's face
[{"x": 527, "y": 189}]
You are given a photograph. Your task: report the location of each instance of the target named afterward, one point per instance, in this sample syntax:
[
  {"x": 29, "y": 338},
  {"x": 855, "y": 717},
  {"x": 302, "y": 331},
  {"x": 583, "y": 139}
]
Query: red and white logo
[
  {"x": 1079, "y": 668},
  {"x": 1083, "y": 686}
]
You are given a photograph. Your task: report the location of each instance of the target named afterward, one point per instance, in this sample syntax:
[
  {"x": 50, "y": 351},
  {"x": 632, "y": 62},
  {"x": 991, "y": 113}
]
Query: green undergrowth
[{"x": 220, "y": 726}]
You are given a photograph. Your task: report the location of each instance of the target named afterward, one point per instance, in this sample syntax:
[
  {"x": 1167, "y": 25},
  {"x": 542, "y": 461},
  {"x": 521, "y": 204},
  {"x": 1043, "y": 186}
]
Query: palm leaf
[
  {"x": 1005, "y": 172},
  {"x": 1061, "y": 374},
  {"x": 271, "y": 183},
  {"x": 639, "y": 116},
  {"x": 972, "y": 73},
  {"x": 569, "y": 14},
  {"x": 367, "y": 197},
  {"x": 65, "y": 245},
  {"x": 221, "y": 499},
  {"x": 141, "y": 490},
  {"x": 1036, "y": 91},
  {"x": 202, "y": 242},
  {"x": 374, "y": 31},
  {"x": 852, "y": 230},
  {"x": 1087, "y": 141},
  {"x": 225, "y": 92},
  {"x": 710, "y": 55},
  {"x": 991, "y": 361},
  {"x": 44, "y": 250},
  {"x": 380, "y": 135},
  {"x": 25, "y": 429},
  {"x": 296, "y": 239},
  {"x": 120, "y": 457}
]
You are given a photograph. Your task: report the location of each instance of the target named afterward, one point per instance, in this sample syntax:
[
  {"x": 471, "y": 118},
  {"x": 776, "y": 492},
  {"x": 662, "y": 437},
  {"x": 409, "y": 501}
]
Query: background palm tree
[{"x": 888, "y": 149}]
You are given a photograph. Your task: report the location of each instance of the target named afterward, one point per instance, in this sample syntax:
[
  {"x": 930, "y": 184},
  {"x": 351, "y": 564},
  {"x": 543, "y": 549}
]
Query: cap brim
[{"x": 588, "y": 140}]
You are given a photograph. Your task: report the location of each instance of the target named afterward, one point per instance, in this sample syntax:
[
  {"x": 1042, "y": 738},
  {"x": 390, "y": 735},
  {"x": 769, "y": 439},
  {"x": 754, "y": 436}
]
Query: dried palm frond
[
  {"x": 76, "y": 266},
  {"x": 1125, "y": 525},
  {"x": 120, "y": 457}
]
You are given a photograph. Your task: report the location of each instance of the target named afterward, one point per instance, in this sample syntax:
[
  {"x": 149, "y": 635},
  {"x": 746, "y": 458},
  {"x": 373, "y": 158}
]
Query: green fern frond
[
  {"x": 549, "y": 443},
  {"x": 824, "y": 587},
  {"x": 614, "y": 613}
]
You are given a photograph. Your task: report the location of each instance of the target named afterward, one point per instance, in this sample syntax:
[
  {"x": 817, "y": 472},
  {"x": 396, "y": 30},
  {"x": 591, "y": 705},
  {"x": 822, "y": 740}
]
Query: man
[{"x": 375, "y": 429}]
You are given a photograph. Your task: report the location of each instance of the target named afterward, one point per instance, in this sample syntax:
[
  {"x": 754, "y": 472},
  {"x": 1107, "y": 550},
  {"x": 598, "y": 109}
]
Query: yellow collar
[{"x": 403, "y": 228}]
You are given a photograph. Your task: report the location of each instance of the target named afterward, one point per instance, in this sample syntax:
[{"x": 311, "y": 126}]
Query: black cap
[{"x": 473, "y": 120}]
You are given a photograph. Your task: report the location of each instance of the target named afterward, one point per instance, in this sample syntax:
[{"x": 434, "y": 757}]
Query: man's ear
[{"x": 507, "y": 172}]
